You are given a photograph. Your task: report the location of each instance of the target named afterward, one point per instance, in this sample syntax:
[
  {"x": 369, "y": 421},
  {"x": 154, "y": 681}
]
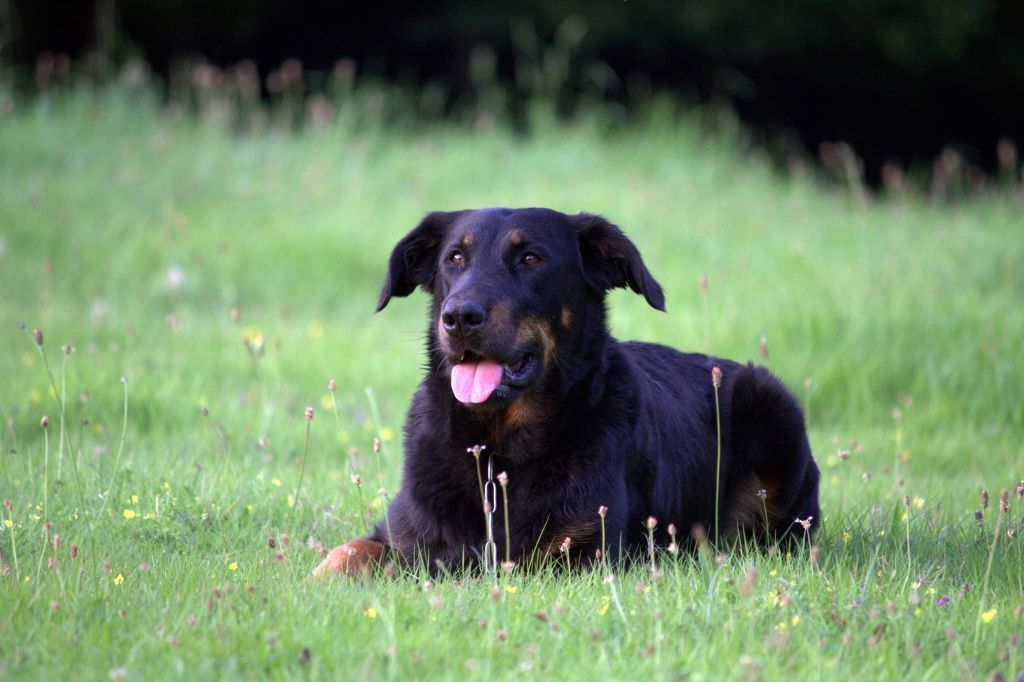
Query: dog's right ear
[{"x": 413, "y": 261}]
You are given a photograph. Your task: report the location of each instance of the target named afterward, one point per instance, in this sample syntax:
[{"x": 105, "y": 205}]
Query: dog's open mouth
[{"x": 476, "y": 380}]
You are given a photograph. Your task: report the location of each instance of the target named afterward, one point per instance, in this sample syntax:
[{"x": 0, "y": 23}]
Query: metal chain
[{"x": 490, "y": 502}]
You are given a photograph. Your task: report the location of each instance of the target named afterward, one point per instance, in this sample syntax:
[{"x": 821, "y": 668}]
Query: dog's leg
[
  {"x": 353, "y": 558},
  {"x": 769, "y": 445}
]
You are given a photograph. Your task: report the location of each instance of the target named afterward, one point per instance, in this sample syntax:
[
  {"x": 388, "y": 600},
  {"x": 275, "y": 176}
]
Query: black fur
[{"x": 627, "y": 426}]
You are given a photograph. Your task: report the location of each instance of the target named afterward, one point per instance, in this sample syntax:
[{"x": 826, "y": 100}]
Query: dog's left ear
[
  {"x": 611, "y": 260},
  {"x": 413, "y": 261}
]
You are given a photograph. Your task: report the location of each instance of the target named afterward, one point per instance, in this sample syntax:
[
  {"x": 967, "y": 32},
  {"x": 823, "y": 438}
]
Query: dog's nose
[{"x": 463, "y": 317}]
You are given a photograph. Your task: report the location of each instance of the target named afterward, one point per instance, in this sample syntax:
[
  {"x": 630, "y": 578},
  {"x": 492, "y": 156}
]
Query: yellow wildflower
[
  {"x": 8, "y": 523},
  {"x": 129, "y": 513},
  {"x": 233, "y": 566},
  {"x": 605, "y": 601},
  {"x": 987, "y": 616},
  {"x": 511, "y": 589},
  {"x": 135, "y": 499},
  {"x": 118, "y": 579},
  {"x": 370, "y": 612},
  {"x": 315, "y": 329},
  {"x": 276, "y": 482}
]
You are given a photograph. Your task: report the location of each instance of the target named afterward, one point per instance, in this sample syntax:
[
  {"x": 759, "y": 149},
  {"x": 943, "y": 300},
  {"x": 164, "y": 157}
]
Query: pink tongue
[{"x": 473, "y": 382}]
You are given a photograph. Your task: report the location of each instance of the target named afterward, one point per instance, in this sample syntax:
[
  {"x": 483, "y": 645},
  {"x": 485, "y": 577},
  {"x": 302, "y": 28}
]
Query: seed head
[
  {"x": 508, "y": 566},
  {"x": 762, "y": 493},
  {"x": 331, "y": 385},
  {"x": 56, "y": 541},
  {"x": 476, "y": 450},
  {"x": 503, "y": 479},
  {"x": 843, "y": 455},
  {"x": 309, "y": 414},
  {"x": 984, "y": 498},
  {"x": 1020, "y": 490},
  {"x": 805, "y": 523},
  {"x": 73, "y": 551},
  {"x": 747, "y": 584},
  {"x": 8, "y": 505},
  {"x": 44, "y": 422},
  {"x": 906, "y": 500},
  {"x": 1004, "y": 500},
  {"x": 204, "y": 411},
  {"x": 37, "y": 335},
  {"x": 357, "y": 479},
  {"x": 376, "y": 446},
  {"x": 651, "y": 522},
  {"x": 762, "y": 347},
  {"x": 285, "y": 540},
  {"x": 672, "y": 530},
  {"x": 68, "y": 349},
  {"x": 716, "y": 376},
  {"x": 271, "y": 542},
  {"x": 566, "y": 543},
  {"x": 602, "y": 511}
]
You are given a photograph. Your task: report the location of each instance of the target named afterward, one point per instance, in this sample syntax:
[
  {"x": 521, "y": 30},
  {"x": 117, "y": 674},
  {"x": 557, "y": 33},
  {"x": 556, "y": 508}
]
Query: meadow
[{"x": 196, "y": 285}]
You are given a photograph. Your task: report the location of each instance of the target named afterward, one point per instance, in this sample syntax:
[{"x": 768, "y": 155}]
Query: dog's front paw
[{"x": 352, "y": 558}]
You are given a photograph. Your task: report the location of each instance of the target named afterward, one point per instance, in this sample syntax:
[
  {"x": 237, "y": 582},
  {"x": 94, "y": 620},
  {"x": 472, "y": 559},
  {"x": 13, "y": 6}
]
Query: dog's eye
[
  {"x": 530, "y": 258},
  {"x": 457, "y": 258}
]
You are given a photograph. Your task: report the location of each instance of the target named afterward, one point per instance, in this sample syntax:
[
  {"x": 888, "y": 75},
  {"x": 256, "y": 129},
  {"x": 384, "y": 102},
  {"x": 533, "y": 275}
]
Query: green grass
[{"x": 154, "y": 242}]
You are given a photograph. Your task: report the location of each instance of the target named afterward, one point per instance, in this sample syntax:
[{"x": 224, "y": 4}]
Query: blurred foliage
[{"x": 875, "y": 74}]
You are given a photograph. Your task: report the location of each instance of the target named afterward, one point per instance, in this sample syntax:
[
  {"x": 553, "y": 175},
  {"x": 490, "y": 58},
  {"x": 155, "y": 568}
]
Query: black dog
[{"x": 521, "y": 361}]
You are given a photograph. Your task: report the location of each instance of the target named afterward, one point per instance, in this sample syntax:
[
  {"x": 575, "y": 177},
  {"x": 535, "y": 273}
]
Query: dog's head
[{"x": 513, "y": 291}]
